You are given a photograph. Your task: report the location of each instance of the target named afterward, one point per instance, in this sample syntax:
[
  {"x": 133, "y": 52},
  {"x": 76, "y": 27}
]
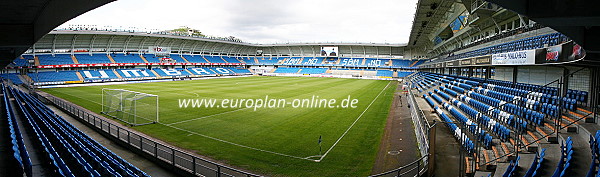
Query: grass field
[{"x": 270, "y": 141}]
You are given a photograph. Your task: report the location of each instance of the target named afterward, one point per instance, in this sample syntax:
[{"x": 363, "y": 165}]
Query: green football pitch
[{"x": 273, "y": 141}]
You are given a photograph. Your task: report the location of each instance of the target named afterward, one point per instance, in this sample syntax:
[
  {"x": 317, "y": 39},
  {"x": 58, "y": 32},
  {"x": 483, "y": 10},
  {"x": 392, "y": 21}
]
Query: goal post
[{"x": 133, "y": 108}]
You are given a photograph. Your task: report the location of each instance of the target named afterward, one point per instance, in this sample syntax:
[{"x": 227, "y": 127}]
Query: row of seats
[
  {"x": 59, "y": 59},
  {"x": 72, "y": 151},
  {"x": 57, "y": 76},
  {"x": 580, "y": 96},
  {"x": 287, "y": 70},
  {"x": 465, "y": 141},
  {"x": 13, "y": 77},
  {"x": 477, "y": 132},
  {"x": 534, "y": 169},
  {"x": 54, "y": 76},
  {"x": 512, "y": 166},
  {"x": 566, "y": 154},
  {"x": 50, "y": 154},
  {"x": 127, "y": 58},
  {"x": 536, "y": 97},
  {"x": 313, "y": 70},
  {"x": 504, "y": 117},
  {"x": 595, "y": 147},
  {"x": 20, "y": 154},
  {"x": 385, "y": 73},
  {"x": 534, "y": 42},
  {"x": 491, "y": 124}
]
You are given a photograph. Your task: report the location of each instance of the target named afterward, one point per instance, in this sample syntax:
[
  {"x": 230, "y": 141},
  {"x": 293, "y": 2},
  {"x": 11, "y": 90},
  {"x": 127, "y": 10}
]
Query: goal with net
[{"x": 133, "y": 108}]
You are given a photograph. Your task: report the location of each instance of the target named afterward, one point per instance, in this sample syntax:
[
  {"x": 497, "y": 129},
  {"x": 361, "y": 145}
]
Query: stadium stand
[
  {"x": 201, "y": 71},
  {"x": 269, "y": 60},
  {"x": 20, "y": 155},
  {"x": 240, "y": 70},
  {"x": 214, "y": 59},
  {"x": 534, "y": 42},
  {"x": 51, "y": 76},
  {"x": 401, "y": 63},
  {"x": 127, "y": 58},
  {"x": 92, "y": 59},
  {"x": 151, "y": 58},
  {"x": 313, "y": 70},
  {"x": 229, "y": 59},
  {"x": 69, "y": 151},
  {"x": 195, "y": 59},
  {"x": 524, "y": 109},
  {"x": 595, "y": 147},
  {"x": 386, "y": 73},
  {"x": 22, "y": 61},
  {"x": 176, "y": 57},
  {"x": 13, "y": 77},
  {"x": 57, "y": 59},
  {"x": 287, "y": 70},
  {"x": 98, "y": 74}
]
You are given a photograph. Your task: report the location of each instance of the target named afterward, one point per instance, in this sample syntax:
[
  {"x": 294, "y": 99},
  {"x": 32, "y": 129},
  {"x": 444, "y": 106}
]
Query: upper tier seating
[
  {"x": 175, "y": 57},
  {"x": 57, "y": 59},
  {"x": 231, "y": 59},
  {"x": 401, "y": 63},
  {"x": 404, "y": 73},
  {"x": 92, "y": 59},
  {"x": 195, "y": 58},
  {"x": 534, "y": 42},
  {"x": 385, "y": 73},
  {"x": 214, "y": 59},
  {"x": 124, "y": 58},
  {"x": 151, "y": 58}
]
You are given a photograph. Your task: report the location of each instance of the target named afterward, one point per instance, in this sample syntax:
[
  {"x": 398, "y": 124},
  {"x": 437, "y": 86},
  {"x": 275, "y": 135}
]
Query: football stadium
[{"x": 480, "y": 88}]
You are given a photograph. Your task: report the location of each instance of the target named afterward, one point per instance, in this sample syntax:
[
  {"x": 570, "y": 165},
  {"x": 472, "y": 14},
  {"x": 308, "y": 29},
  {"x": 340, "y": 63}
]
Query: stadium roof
[{"x": 23, "y": 22}]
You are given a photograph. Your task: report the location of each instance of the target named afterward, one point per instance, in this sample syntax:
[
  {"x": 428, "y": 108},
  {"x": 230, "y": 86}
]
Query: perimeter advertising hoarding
[{"x": 526, "y": 57}]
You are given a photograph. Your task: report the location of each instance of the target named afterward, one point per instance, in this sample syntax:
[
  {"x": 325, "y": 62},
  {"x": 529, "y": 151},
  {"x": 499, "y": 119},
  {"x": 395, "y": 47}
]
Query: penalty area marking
[
  {"x": 309, "y": 158},
  {"x": 352, "y": 125}
]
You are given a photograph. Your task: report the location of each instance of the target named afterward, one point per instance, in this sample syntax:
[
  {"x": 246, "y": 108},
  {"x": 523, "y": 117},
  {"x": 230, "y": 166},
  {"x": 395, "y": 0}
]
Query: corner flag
[{"x": 320, "y": 140}]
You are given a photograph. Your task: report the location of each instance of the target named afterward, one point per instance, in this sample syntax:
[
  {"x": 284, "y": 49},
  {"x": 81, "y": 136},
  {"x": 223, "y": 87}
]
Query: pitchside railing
[
  {"x": 177, "y": 159},
  {"x": 419, "y": 166}
]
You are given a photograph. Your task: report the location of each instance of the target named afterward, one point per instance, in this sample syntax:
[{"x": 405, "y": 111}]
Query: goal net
[{"x": 133, "y": 108}]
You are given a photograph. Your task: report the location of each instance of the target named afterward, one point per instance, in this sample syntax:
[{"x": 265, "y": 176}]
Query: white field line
[
  {"x": 352, "y": 125},
  {"x": 87, "y": 99},
  {"x": 235, "y": 144},
  {"x": 213, "y": 138},
  {"x": 183, "y": 121}
]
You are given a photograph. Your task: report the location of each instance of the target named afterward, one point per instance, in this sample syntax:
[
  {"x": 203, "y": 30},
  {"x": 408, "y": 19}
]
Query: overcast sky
[{"x": 266, "y": 21}]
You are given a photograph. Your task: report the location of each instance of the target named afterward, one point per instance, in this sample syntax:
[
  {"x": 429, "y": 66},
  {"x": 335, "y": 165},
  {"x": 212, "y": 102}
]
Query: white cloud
[{"x": 266, "y": 21}]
